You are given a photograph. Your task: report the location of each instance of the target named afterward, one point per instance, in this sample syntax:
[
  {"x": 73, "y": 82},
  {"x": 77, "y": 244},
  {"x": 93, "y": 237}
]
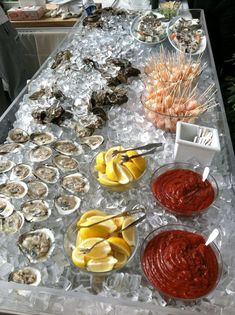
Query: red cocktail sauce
[
  {"x": 179, "y": 264},
  {"x": 183, "y": 191}
]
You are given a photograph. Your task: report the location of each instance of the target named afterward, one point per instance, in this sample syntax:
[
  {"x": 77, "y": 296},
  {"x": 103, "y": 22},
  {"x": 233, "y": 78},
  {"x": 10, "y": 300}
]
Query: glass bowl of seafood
[
  {"x": 118, "y": 169},
  {"x": 149, "y": 28},
  {"x": 181, "y": 189},
  {"x": 99, "y": 243}
]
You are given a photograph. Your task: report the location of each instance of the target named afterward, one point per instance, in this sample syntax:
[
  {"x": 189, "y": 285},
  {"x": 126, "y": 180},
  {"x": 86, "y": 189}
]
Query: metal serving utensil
[
  {"x": 143, "y": 147},
  {"x": 126, "y": 158}
]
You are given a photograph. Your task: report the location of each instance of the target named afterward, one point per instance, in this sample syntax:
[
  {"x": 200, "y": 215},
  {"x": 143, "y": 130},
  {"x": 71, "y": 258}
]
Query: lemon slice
[
  {"x": 129, "y": 234},
  {"x": 121, "y": 259},
  {"x": 109, "y": 225},
  {"x": 109, "y": 154},
  {"x": 103, "y": 179},
  {"x": 78, "y": 258},
  {"x": 135, "y": 171},
  {"x": 111, "y": 171},
  {"x": 139, "y": 162},
  {"x": 124, "y": 175},
  {"x": 101, "y": 265},
  {"x": 118, "y": 244},
  {"x": 101, "y": 250},
  {"x": 90, "y": 213}
]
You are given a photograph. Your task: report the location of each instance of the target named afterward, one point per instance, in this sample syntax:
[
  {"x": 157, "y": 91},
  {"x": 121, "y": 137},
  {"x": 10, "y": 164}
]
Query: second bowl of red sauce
[{"x": 178, "y": 187}]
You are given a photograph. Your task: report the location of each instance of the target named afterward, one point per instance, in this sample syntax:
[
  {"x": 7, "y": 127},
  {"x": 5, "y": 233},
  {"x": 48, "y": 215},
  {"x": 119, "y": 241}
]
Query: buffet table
[{"x": 65, "y": 289}]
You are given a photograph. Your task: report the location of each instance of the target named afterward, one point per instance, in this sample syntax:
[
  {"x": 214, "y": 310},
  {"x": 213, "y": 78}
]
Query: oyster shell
[
  {"x": 93, "y": 141},
  {"x": 83, "y": 131},
  {"x": 26, "y": 275},
  {"x": 6, "y": 208},
  {"x": 91, "y": 121},
  {"x": 18, "y": 135},
  {"x": 36, "y": 210},
  {"x": 12, "y": 224},
  {"x": 47, "y": 173},
  {"x": 75, "y": 183},
  {"x": 40, "y": 153},
  {"x": 37, "y": 189},
  {"x": 42, "y": 138},
  {"x": 37, "y": 245},
  {"x": 67, "y": 204},
  {"x": 21, "y": 171},
  {"x": 5, "y": 166},
  {"x": 67, "y": 147},
  {"x": 65, "y": 163},
  {"x": 10, "y": 148},
  {"x": 14, "y": 189}
]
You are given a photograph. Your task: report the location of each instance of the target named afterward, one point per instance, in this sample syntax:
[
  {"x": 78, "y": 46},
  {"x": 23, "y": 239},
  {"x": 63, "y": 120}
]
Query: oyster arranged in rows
[
  {"x": 12, "y": 224},
  {"x": 37, "y": 245},
  {"x": 18, "y": 135},
  {"x": 67, "y": 204},
  {"x": 65, "y": 163},
  {"x": 67, "y": 147},
  {"x": 5, "y": 166},
  {"x": 6, "y": 208},
  {"x": 10, "y": 148},
  {"x": 14, "y": 189},
  {"x": 37, "y": 189},
  {"x": 21, "y": 171},
  {"x": 42, "y": 138},
  {"x": 40, "y": 153},
  {"x": 83, "y": 131},
  {"x": 93, "y": 141},
  {"x": 75, "y": 183},
  {"x": 47, "y": 173},
  {"x": 36, "y": 210},
  {"x": 26, "y": 275}
]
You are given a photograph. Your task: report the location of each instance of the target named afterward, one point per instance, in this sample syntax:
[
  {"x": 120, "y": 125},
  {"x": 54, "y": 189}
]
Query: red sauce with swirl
[
  {"x": 183, "y": 191},
  {"x": 178, "y": 264}
]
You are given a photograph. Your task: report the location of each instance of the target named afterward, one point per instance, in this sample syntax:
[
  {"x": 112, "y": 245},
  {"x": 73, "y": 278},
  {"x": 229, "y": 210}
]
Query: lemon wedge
[
  {"x": 109, "y": 154},
  {"x": 100, "y": 168},
  {"x": 111, "y": 171},
  {"x": 124, "y": 175},
  {"x": 109, "y": 225},
  {"x": 78, "y": 258},
  {"x": 100, "y": 158},
  {"x": 121, "y": 259},
  {"x": 139, "y": 162},
  {"x": 90, "y": 213},
  {"x": 129, "y": 234},
  {"x": 135, "y": 171},
  {"x": 118, "y": 244},
  {"x": 101, "y": 250},
  {"x": 118, "y": 221},
  {"x": 103, "y": 179},
  {"x": 93, "y": 231},
  {"x": 101, "y": 265}
]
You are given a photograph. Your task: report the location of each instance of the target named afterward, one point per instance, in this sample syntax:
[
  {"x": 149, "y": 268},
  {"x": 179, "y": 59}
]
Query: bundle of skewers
[{"x": 172, "y": 90}]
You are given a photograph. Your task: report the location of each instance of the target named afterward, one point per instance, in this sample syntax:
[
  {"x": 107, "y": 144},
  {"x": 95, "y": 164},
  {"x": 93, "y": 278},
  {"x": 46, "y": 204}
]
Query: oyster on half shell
[
  {"x": 67, "y": 147},
  {"x": 21, "y": 171},
  {"x": 6, "y": 208},
  {"x": 12, "y": 224},
  {"x": 93, "y": 141},
  {"x": 14, "y": 189},
  {"x": 47, "y": 173},
  {"x": 5, "y": 166},
  {"x": 40, "y": 153},
  {"x": 75, "y": 183},
  {"x": 36, "y": 210},
  {"x": 67, "y": 204},
  {"x": 37, "y": 189},
  {"x": 37, "y": 245},
  {"x": 10, "y": 148},
  {"x": 18, "y": 135},
  {"x": 42, "y": 138},
  {"x": 65, "y": 163},
  {"x": 26, "y": 275}
]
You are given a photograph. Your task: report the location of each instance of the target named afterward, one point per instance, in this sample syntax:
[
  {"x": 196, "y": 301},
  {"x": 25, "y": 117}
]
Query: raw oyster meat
[
  {"x": 67, "y": 204},
  {"x": 21, "y": 171},
  {"x": 65, "y": 163},
  {"x": 6, "y": 208},
  {"x": 47, "y": 173},
  {"x": 37, "y": 245},
  {"x": 26, "y": 275},
  {"x": 5, "y": 166},
  {"x": 67, "y": 147},
  {"x": 37, "y": 189},
  {"x": 93, "y": 141},
  {"x": 13, "y": 223},
  {"x": 41, "y": 138},
  {"x": 83, "y": 131},
  {"x": 36, "y": 210},
  {"x": 75, "y": 183},
  {"x": 14, "y": 189},
  {"x": 40, "y": 153},
  {"x": 18, "y": 135},
  {"x": 10, "y": 148}
]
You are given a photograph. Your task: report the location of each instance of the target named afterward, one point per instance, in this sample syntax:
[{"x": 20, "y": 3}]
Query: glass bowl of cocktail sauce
[
  {"x": 180, "y": 189},
  {"x": 176, "y": 261}
]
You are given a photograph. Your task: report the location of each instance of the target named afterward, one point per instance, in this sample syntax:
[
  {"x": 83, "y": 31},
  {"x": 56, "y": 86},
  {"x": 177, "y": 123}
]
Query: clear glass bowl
[
  {"x": 70, "y": 237},
  {"x": 175, "y": 260},
  {"x": 186, "y": 166}
]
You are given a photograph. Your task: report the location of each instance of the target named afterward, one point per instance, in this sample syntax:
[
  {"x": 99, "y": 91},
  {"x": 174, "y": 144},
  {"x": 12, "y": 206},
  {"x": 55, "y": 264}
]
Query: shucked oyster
[
  {"x": 6, "y": 208},
  {"x": 14, "y": 189},
  {"x": 67, "y": 147},
  {"x": 36, "y": 210},
  {"x": 47, "y": 174},
  {"x": 26, "y": 275},
  {"x": 93, "y": 141},
  {"x": 75, "y": 183},
  {"x": 65, "y": 163},
  {"x": 40, "y": 153},
  {"x": 10, "y": 148},
  {"x": 18, "y": 135},
  {"x": 5, "y": 166},
  {"x": 13, "y": 223},
  {"x": 37, "y": 245},
  {"x": 83, "y": 131},
  {"x": 21, "y": 171},
  {"x": 67, "y": 204},
  {"x": 41, "y": 138},
  {"x": 37, "y": 189}
]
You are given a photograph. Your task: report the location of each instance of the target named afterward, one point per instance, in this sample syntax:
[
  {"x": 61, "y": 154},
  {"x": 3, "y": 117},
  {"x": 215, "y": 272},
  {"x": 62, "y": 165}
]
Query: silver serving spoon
[
  {"x": 205, "y": 173},
  {"x": 213, "y": 235}
]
